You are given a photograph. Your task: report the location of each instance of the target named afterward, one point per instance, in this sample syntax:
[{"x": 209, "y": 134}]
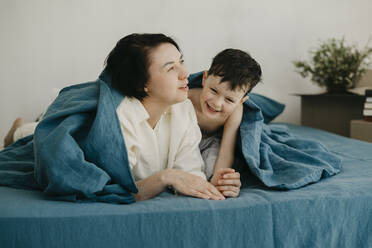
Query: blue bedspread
[{"x": 334, "y": 213}]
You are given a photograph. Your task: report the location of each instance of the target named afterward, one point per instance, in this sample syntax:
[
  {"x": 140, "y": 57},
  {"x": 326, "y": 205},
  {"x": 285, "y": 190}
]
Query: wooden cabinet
[{"x": 331, "y": 112}]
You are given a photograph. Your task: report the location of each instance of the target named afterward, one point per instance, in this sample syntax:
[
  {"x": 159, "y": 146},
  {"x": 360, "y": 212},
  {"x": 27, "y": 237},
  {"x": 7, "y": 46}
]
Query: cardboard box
[{"x": 361, "y": 130}]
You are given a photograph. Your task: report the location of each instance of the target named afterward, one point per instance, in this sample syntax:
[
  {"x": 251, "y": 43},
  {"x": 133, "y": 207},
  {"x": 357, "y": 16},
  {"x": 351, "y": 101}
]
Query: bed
[{"x": 334, "y": 212}]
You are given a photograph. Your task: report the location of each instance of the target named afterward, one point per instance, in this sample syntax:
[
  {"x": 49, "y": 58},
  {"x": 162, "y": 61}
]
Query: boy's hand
[{"x": 227, "y": 181}]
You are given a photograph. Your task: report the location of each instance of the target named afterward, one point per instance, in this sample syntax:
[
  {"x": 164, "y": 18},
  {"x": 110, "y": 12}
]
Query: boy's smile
[{"x": 211, "y": 109}]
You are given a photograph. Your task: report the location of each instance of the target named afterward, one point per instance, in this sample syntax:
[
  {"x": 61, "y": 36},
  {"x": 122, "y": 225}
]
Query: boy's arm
[
  {"x": 226, "y": 180},
  {"x": 225, "y": 157}
]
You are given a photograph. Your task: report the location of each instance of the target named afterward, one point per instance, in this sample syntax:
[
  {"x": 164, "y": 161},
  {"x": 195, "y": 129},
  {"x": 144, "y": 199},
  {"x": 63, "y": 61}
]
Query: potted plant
[{"x": 335, "y": 65}]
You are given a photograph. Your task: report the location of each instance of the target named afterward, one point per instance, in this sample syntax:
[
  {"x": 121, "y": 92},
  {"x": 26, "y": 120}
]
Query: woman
[
  {"x": 78, "y": 151},
  {"x": 160, "y": 152}
]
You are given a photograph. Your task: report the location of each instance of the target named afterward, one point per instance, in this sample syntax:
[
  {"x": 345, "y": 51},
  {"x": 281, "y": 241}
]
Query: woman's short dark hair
[
  {"x": 129, "y": 61},
  {"x": 237, "y": 67}
]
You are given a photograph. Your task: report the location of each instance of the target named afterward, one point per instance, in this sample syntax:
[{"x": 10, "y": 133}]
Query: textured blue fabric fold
[
  {"x": 77, "y": 152},
  {"x": 277, "y": 158}
]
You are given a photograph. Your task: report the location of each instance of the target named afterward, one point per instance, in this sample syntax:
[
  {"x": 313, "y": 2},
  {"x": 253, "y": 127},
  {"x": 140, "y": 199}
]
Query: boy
[{"x": 219, "y": 105}]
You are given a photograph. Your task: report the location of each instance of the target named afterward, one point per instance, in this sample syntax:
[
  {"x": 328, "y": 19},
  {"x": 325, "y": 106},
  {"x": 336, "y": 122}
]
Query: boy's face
[{"x": 218, "y": 100}]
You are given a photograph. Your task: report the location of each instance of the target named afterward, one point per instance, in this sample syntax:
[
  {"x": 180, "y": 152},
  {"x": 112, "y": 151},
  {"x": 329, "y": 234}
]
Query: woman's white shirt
[{"x": 173, "y": 143}]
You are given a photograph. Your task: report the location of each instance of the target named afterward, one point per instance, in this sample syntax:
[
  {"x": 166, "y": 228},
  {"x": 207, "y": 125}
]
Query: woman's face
[{"x": 167, "y": 75}]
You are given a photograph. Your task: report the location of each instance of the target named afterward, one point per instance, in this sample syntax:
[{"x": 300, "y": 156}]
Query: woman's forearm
[
  {"x": 184, "y": 182},
  {"x": 151, "y": 186}
]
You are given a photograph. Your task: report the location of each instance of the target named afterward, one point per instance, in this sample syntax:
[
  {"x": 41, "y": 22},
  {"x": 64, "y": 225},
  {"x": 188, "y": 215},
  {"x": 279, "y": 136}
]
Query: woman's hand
[
  {"x": 192, "y": 185},
  {"x": 227, "y": 181}
]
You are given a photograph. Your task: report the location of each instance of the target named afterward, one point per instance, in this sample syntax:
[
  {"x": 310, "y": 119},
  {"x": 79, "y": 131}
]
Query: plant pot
[{"x": 336, "y": 89}]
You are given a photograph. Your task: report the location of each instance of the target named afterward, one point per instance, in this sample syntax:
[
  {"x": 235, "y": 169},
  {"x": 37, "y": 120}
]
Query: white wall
[{"x": 49, "y": 44}]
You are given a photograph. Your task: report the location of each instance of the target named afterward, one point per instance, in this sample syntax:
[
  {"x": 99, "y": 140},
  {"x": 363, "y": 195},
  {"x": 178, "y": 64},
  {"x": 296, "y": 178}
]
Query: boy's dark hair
[
  {"x": 129, "y": 61},
  {"x": 237, "y": 67}
]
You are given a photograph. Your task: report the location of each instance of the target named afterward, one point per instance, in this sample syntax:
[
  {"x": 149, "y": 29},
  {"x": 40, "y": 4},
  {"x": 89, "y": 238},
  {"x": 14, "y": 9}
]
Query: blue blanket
[{"x": 78, "y": 153}]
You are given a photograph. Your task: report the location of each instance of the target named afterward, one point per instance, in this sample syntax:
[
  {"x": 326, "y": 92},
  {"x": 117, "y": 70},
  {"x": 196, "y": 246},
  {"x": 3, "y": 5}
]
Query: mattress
[{"x": 335, "y": 212}]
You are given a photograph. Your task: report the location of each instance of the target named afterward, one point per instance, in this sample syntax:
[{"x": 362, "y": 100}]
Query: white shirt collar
[{"x": 135, "y": 111}]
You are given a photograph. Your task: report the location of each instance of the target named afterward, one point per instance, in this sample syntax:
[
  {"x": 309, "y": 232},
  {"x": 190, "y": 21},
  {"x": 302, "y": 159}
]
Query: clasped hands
[
  {"x": 224, "y": 183},
  {"x": 227, "y": 181}
]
